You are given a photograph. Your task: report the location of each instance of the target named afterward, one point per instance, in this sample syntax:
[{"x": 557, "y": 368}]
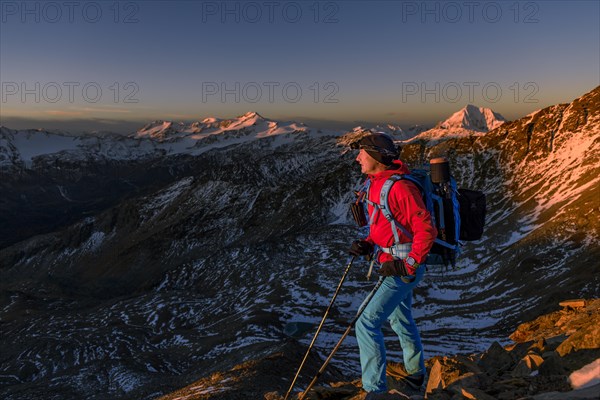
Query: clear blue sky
[{"x": 402, "y": 62}]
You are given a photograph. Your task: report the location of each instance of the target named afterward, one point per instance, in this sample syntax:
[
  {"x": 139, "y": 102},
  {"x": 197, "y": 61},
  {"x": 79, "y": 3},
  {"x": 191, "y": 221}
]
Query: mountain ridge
[
  {"x": 189, "y": 265},
  {"x": 21, "y": 148}
]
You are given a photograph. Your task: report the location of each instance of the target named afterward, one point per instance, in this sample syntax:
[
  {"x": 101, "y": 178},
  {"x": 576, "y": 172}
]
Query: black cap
[{"x": 379, "y": 146}]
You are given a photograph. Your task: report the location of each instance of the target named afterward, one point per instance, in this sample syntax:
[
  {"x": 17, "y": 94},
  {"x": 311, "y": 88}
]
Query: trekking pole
[
  {"x": 339, "y": 343},
  {"x": 319, "y": 328}
]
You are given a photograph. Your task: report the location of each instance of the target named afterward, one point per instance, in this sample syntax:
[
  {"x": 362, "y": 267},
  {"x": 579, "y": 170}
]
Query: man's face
[{"x": 368, "y": 165}]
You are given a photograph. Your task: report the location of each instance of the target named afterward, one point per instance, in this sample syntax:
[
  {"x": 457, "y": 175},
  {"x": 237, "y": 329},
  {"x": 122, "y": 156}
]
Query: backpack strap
[
  {"x": 440, "y": 204},
  {"x": 375, "y": 206},
  {"x": 456, "y": 207},
  {"x": 385, "y": 209}
]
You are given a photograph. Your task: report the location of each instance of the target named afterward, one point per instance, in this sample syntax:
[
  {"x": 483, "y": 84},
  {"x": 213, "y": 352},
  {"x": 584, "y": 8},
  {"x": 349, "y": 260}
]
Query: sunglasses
[{"x": 381, "y": 150}]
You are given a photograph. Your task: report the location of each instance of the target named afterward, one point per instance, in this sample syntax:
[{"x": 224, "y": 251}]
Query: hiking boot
[
  {"x": 414, "y": 382},
  {"x": 402, "y": 380},
  {"x": 408, "y": 386}
]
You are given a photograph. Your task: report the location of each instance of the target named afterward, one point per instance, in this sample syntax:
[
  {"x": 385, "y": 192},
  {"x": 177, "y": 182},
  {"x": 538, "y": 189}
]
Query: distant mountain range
[
  {"x": 250, "y": 122},
  {"x": 132, "y": 266},
  {"x": 25, "y": 149}
]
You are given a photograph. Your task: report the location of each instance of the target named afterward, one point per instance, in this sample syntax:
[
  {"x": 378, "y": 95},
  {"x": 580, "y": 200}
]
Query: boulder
[
  {"x": 452, "y": 373},
  {"x": 577, "y": 303},
  {"x": 468, "y": 380},
  {"x": 578, "y": 315},
  {"x": 436, "y": 378},
  {"x": 518, "y": 350},
  {"x": 553, "y": 365},
  {"x": 531, "y": 330},
  {"x": 553, "y": 342},
  {"x": 495, "y": 360},
  {"x": 539, "y": 347},
  {"x": 531, "y": 362},
  {"x": 587, "y": 337}
]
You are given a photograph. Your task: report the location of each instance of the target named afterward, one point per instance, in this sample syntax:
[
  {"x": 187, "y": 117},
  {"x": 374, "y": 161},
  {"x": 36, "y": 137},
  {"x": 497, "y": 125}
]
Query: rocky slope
[
  {"x": 145, "y": 274},
  {"x": 555, "y": 356},
  {"x": 541, "y": 174}
]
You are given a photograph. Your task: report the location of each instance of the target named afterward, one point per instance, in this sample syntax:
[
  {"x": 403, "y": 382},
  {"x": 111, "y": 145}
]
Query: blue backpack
[{"x": 447, "y": 206}]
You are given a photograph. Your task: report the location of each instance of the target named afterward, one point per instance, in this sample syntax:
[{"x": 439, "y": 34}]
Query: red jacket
[{"x": 407, "y": 207}]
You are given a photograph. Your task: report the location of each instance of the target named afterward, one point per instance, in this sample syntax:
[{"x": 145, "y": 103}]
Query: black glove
[
  {"x": 394, "y": 268},
  {"x": 360, "y": 248}
]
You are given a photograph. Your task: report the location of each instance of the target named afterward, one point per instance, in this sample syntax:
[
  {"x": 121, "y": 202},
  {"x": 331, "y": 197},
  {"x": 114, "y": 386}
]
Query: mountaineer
[{"x": 401, "y": 259}]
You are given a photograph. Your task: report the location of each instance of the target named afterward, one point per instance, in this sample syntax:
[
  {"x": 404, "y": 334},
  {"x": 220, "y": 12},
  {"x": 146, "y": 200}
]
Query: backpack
[{"x": 457, "y": 214}]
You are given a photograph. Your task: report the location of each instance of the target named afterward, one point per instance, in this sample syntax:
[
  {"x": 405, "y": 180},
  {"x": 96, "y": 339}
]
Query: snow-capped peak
[
  {"x": 469, "y": 120},
  {"x": 155, "y": 129},
  {"x": 473, "y": 118},
  {"x": 252, "y": 114},
  {"x": 165, "y": 130}
]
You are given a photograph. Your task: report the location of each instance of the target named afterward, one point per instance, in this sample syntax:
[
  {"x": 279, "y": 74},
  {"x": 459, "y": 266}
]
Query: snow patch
[
  {"x": 587, "y": 376},
  {"x": 94, "y": 241},
  {"x": 165, "y": 197}
]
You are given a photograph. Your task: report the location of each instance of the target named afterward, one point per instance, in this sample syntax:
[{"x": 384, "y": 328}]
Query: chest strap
[{"x": 399, "y": 251}]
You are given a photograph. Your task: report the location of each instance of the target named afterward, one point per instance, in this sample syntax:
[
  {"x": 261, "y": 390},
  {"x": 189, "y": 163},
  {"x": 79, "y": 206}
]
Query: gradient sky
[{"x": 402, "y": 62}]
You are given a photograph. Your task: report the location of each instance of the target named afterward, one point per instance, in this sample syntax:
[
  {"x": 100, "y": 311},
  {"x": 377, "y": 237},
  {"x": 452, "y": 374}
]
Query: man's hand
[
  {"x": 396, "y": 268},
  {"x": 360, "y": 248}
]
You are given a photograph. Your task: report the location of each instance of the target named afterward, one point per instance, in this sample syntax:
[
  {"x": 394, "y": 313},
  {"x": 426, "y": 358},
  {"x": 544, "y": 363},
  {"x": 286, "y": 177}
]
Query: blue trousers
[{"x": 392, "y": 301}]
